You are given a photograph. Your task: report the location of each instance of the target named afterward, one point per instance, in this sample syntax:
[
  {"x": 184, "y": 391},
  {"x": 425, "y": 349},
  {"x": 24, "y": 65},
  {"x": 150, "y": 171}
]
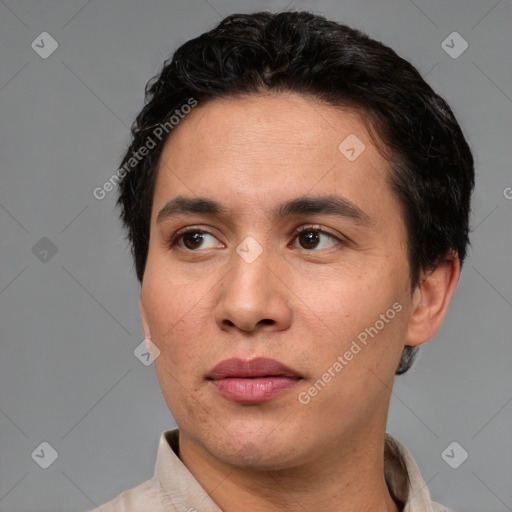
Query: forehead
[
  {"x": 256, "y": 148},
  {"x": 276, "y": 126}
]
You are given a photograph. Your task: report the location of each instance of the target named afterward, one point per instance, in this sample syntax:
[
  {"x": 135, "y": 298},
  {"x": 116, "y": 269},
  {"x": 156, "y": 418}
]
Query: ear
[
  {"x": 431, "y": 299},
  {"x": 143, "y": 318}
]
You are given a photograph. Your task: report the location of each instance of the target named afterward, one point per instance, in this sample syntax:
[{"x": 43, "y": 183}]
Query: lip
[{"x": 252, "y": 381}]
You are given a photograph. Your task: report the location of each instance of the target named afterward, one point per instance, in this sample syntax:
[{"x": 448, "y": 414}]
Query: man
[{"x": 297, "y": 200}]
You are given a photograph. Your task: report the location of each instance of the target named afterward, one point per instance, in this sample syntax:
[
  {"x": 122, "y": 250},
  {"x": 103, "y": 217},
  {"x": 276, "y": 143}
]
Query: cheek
[
  {"x": 176, "y": 315},
  {"x": 364, "y": 317},
  {"x": 347, "y": 305}
]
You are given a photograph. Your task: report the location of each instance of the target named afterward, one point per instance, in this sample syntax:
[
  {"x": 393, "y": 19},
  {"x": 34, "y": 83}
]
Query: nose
[{"x": 253, "y": 296}]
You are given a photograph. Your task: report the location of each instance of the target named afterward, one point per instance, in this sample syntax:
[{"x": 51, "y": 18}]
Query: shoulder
[
  {"x": 437, "y": 507},
  {"x": 151, "y": 496}
]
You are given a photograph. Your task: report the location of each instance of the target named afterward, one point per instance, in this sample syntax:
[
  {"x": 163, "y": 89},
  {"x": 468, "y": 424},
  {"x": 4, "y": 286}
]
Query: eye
[
  {"x": 192, "y": 239},
  {"x": 310, "y": 237}
]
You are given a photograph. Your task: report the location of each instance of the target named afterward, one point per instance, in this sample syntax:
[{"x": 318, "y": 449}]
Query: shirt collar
[
  {"x": 180, "y": 489},
  {"x": 404, "y": 479}
]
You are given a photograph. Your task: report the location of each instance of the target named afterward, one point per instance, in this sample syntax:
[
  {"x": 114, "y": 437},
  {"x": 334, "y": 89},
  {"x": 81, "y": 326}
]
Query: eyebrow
[{"x": 305, "y": 205}]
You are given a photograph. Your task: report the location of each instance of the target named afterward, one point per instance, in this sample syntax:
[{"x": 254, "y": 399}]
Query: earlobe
[
  {"x": 143, "y": 318},
  {"x": 431, "y": 300}
]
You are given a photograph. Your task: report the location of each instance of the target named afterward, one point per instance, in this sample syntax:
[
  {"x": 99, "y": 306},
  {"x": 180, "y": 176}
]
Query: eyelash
[{"x": 303, "y": 229}]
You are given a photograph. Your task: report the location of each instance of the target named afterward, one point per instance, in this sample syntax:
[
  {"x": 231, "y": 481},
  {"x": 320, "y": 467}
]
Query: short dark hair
[{"x": 431, "y": 163}]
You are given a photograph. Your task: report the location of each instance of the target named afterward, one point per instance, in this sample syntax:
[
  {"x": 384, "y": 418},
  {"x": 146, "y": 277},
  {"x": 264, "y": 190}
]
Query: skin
[{"x": 299, "y": 303}]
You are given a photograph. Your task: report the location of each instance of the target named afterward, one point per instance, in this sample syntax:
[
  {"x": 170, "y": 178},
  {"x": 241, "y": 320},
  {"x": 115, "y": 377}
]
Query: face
[{"x": 320, "y": 288}]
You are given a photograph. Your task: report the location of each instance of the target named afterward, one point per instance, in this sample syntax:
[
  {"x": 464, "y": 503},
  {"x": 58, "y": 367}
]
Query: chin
[
  {"x": 257, "y": 447},
  {"x": 250, "y": 456}
]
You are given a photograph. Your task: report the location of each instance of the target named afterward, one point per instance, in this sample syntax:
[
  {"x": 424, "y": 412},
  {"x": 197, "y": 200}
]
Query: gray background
[{"x": 70, "y": 324}]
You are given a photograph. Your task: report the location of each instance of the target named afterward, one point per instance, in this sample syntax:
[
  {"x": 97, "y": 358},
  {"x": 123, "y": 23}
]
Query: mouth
[{"x": 252, "y": 381}]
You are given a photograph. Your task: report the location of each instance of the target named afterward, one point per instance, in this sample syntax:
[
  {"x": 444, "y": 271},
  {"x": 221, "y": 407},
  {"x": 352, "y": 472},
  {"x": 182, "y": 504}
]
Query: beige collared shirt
[{"x": 174, "y": 489}]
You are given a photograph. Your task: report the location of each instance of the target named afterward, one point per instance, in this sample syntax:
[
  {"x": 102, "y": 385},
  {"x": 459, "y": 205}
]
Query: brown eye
[
  {"x": 310, "y": 239},
  {"x": 192, "y": 239}
]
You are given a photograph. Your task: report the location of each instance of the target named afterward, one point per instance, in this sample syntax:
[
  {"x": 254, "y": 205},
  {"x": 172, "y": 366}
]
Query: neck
[{"x": 344, "y": 478}]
